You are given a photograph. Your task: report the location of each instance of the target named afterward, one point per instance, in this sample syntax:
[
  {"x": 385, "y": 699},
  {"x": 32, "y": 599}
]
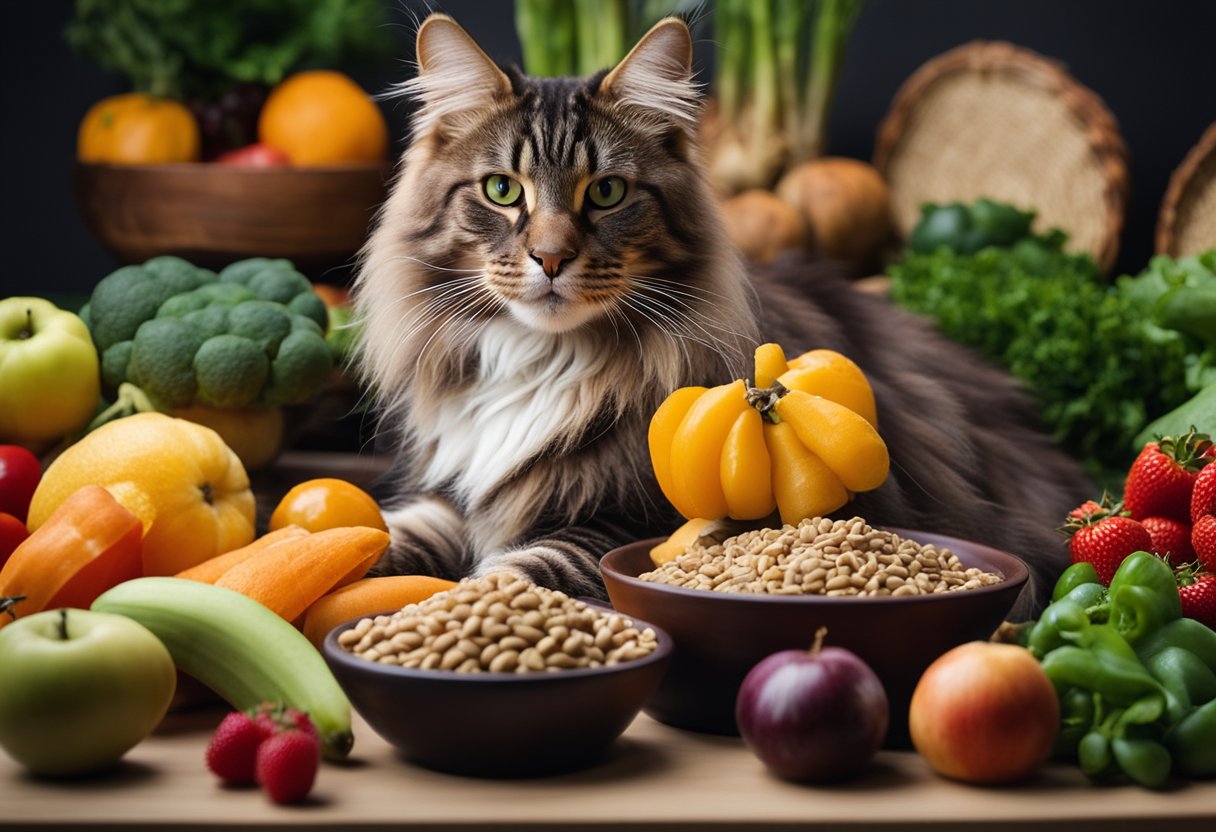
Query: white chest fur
[{"x": 532, "y": 390}]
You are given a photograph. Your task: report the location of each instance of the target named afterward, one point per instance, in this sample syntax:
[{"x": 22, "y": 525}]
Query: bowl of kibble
[
  {"x": 497, "y": 677},
  {"x": 896, "y": 598}
]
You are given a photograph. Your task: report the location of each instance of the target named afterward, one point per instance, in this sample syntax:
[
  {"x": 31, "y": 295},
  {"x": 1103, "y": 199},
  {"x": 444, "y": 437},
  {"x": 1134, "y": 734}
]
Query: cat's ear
[
  {"x": 656, "y": 75},
  {"x": 455, "y": 76}
]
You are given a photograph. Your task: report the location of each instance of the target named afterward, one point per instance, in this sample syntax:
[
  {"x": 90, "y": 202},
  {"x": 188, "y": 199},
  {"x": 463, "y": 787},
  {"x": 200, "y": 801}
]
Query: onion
[
  {"x": 845, "y": 203},
  {"x": 813, "y": 716},
  {"x": 761, "y": 225}
]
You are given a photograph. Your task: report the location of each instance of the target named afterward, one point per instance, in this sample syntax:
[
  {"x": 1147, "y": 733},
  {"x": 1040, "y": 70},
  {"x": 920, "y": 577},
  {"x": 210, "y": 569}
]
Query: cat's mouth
[{"x": 554, "y": 308}]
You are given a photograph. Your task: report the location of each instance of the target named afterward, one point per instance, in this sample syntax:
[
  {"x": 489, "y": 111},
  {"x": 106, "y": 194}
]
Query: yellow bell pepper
[{"x": 801, "y": 442}]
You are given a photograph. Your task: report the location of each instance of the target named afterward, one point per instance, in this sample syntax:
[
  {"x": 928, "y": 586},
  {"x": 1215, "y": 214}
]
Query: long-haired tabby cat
[{"x": 550, "y": 265}]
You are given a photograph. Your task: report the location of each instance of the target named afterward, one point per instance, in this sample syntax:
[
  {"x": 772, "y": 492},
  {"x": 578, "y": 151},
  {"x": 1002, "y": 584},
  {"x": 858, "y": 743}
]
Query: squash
[
  {"x": 138, "y": 129},
  {"x": 801, "y": 444}
]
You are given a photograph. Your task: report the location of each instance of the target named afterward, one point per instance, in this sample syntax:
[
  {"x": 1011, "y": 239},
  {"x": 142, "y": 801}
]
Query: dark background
[{"x": 1154, "y": 63}]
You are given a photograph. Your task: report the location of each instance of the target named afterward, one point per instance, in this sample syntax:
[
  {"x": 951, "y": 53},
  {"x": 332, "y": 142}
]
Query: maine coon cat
[{"x": 550, "y": 265}]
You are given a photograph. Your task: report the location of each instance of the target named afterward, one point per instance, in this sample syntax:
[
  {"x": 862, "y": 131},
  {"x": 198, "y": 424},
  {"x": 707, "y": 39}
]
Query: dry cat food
[
  {"x": 500, "y": 624},
  {"x": 820, "y": 556}
]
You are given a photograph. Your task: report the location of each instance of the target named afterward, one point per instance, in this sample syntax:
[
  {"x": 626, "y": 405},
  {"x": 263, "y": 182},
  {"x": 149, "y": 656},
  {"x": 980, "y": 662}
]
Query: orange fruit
[
  {"x": 185, "y": 485},
  {"x": 327, "y": 503},
  {"x": 138, "y": 129},
  {"x": 321, "y": 117}
]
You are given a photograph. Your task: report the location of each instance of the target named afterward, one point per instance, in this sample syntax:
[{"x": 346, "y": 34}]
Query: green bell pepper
[
  {"x": 1186, "y": 633},
  {"x": 1079, "y": 574},
  {"x": 1143, "y": 596},
  {"x": 1193, "y": 742},
  {"x": 1185, "y": 678},
  {"x": 1119, "y": 680}
]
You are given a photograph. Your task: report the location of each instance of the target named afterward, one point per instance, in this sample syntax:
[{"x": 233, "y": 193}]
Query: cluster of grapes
[{"x": 231, "y": 120}]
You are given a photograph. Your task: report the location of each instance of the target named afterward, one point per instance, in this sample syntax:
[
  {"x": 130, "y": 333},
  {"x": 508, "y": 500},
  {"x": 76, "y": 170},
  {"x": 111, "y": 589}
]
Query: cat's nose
[{"x": 552, "y": 261}]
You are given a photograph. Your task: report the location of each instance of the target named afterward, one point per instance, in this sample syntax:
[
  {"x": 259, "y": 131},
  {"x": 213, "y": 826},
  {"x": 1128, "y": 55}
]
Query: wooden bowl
[
  {"x": 1187, "y": 223},
  {"x": 499, "y": 724},
  {"x": 719, "y": 637},
  {"x": 993, "y": 119},
  {"x": 214, "y": 214}
]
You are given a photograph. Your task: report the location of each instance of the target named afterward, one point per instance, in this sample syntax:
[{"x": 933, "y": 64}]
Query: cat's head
[{"x": 561, "y": 205}]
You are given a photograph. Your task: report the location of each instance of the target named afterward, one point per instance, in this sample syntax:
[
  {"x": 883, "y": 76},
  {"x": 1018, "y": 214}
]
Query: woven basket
[
  {"x": 1187, "y": 223},
  {"x": 993, "y": 119}
]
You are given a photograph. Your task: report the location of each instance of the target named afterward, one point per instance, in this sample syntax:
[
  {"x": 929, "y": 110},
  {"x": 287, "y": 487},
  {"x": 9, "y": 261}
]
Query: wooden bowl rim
[
  {"x": 335, "y": 653},
  {"x": 1020, "y": 574},
  {"x": 198, "y": 168}
]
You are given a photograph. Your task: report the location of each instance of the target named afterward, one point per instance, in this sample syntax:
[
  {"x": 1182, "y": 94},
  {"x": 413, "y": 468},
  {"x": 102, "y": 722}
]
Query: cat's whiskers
[
  {"x": 486, "y": 303},
  {"x": 688, "y": 319},
  {"x": 672, "y": 294},
  {"x": 428, "y": 265},
  {"x": 431, "y": 310},
  {"x": 448, "y": 284}
]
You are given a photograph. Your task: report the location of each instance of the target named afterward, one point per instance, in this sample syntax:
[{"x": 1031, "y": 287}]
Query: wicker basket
[
  {"x": 993, "y": 119},
  {"x": 1187, "y": 223}
]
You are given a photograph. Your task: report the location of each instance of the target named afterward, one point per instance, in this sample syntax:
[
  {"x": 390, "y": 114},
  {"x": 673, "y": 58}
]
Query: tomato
[
  {"x": 254, "y": 156},
  {"x": 12, "y": 533},
  {"x": 20, "y": 471},
  {"x": 327, "y": 504}
]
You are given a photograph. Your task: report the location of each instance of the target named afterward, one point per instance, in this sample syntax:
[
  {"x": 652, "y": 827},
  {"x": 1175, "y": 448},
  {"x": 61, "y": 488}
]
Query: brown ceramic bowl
[
  {"x": 213, "y": 214},
  {"x": 720, "y": 637},
  {"x": 499, "y": 724}
]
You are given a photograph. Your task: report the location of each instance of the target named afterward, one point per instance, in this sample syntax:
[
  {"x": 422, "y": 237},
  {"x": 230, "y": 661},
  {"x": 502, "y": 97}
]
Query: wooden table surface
[{"x": 655, "y": 777}]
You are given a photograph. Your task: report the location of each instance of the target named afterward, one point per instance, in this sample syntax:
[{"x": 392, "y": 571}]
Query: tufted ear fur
[
  {"x": 656, "y": 75},
  {"x": 455, "y": 77}
]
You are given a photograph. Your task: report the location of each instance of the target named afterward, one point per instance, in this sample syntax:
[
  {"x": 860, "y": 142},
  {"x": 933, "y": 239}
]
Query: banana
[{"x": 239, "y": 649}]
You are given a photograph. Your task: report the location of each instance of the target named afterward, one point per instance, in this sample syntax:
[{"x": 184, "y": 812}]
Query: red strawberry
[
  {"x": 1197, "y": 591},
  {"x": 1203, "y": 497},
  {"x": 287, "y": 765},
  {"x": 1171, "y": 539},
  {"x": 1103, "y": 536},
  {"x": 232, "y": 752},
  {"x": 1203, "y": 540},
  {"x": 272, "y": 718},
  {"x": 1161, "y": 479}
]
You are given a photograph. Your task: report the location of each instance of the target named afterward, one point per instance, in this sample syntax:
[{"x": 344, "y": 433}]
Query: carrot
[
  {"x": 89, "y": 544},
  {"x": 367, "y": 597},
  {"x": 289, "y": 576},
  {"x": 209, "y": 571}
]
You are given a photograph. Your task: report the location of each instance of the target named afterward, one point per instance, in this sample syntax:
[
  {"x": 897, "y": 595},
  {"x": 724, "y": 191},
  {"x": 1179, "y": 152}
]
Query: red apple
[
  {"x": 984, "y": 713},
  {"x": 254, "y": 156},
  {"x": 20, "y": 472}
]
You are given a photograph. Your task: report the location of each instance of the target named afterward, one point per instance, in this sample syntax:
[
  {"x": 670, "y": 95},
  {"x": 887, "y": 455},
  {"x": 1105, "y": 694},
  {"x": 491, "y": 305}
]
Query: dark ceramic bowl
[
  {"x": 499, "y": 724},
  {"x": 719, "y": 637}
]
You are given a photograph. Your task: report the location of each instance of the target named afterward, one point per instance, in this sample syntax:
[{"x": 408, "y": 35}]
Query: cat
[{"x": 550, "y": 265}]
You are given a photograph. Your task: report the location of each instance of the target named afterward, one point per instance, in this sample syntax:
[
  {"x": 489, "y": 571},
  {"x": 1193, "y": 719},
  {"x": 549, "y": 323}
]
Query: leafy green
[
  {"x": 1099, "y": 366},
  {"x": 184, "y": 48}
]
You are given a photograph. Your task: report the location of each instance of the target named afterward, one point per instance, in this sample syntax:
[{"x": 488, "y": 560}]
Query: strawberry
[
  {"x": 272, "y": 718},
  {"x": 287, "y": 765},
  {"x": 1197, "y": 591},
  {"x": 1203, "y": 540},
  {"x": 1103, "y": 535},
  {"x": 232, "y": 752},
  {"x": 1171, "y": 539},
  {"x": 1160, "y": 481},
  {"x": 1203, "y": 497}
]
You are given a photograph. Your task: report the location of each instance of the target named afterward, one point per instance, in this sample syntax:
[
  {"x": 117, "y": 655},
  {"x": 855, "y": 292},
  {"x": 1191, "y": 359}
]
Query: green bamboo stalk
[
  {"x": 833, "y": 24},
  {"x": 791, "y": 28},
  {"x": 765, "y": 95},
  {"x": 546, "y": 30},
  {"x": 602, "y": 28},
  {"x": 732, "y": 30}
]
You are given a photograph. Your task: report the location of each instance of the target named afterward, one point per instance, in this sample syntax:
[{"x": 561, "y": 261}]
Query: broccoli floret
[
  {"x": 311, "y": 307},
  {"x": 133, "y": 294},
  {"x": 261, "y": 321},
  {"x": 162, "y": 360},
  {"x": 210, "y": 320},
  {"x": 114, "y": 363},
  {"x": 278, "y": 281},
  {"x": 249, "y": 336},
  {"x": 231, "y": 371},
  {"x": 303, "y": 364}
]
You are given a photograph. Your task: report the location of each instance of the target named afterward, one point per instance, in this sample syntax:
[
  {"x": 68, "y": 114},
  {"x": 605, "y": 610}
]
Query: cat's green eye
[
  {"x": 503, "y": 190},
  {"x": 606, "y": 192}
]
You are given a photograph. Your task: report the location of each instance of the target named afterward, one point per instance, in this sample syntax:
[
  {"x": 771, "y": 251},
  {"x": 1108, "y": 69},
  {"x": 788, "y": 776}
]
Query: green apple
[
  {"x": 50, "y": 378},
  {"x": 80, "y": 689}
]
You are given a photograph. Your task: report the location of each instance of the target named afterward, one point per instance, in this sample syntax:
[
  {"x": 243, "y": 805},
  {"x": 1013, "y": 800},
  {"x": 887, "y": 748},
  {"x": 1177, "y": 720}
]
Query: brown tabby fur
[{"x": 521, "y": 401}]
